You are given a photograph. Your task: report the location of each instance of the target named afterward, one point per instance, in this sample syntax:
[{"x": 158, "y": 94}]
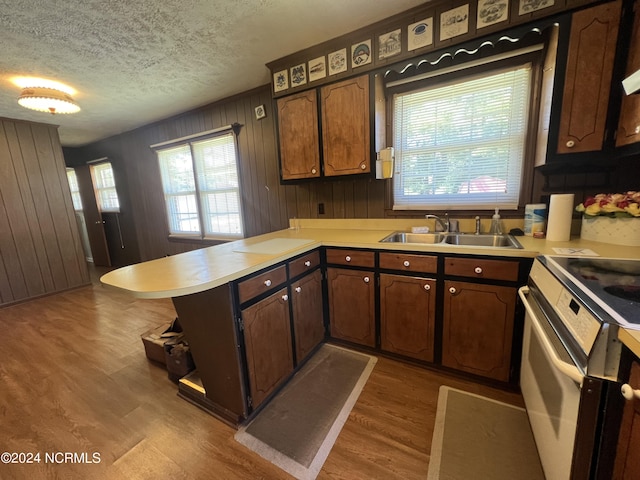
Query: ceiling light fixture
[{"x": 45, "y": 99}]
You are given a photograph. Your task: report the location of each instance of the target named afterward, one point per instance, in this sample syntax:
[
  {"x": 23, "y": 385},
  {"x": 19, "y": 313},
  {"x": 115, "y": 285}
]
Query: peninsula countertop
[{"x": 209, "y": 267}]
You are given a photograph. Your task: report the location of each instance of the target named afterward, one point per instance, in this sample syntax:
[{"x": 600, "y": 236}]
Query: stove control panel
[{"x": 580, "y": 322}]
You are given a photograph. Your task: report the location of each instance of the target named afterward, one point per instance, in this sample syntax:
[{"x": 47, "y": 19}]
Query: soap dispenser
[{"x": 496, "y": 225}]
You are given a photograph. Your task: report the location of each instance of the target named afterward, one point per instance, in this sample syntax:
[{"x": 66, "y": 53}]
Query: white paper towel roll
[{"x": 559, "y": 220}]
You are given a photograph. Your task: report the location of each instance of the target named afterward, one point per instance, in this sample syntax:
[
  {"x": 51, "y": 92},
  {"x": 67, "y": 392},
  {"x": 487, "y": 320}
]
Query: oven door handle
[{"x": 565, "y": 368}]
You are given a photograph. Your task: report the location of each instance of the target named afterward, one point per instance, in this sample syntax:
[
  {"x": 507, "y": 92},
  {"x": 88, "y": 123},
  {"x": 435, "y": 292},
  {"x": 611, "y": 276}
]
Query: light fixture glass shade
[{"x": 47, "y": 100}]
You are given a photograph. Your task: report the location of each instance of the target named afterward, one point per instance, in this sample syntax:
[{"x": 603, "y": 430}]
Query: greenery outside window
[
  {"x": 461, "y": 144},
  {"x": 201, "y": 188}
]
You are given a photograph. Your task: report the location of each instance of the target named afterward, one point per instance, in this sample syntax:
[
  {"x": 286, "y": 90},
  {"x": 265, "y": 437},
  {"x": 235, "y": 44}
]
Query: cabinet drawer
[
  {"x": 409, "y": 262},
  {"x": 304, "y": 264},
  {"x": 252, "y": 287},
  {"x": 481, "y": 268},
  {"x": 356, "y": 258}
]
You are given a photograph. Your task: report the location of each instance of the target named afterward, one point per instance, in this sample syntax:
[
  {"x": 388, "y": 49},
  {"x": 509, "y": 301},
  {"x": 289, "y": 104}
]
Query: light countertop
[{"x": 209, "y": 267}]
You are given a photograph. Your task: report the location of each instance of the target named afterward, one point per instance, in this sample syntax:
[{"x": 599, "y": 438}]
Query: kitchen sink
[
  {"x": 461, "y": 239},
  {"x": 482, "y": 240},
  {"x": 405, "y": 237}
]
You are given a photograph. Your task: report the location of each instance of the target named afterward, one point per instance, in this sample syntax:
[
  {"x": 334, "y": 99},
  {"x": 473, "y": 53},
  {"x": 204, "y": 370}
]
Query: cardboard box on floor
[{"x": 155, "y": 339}]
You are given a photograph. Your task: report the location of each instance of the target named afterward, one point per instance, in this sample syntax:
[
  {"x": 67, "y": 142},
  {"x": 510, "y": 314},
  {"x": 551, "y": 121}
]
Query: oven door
[{"x": 550, "y": 383}]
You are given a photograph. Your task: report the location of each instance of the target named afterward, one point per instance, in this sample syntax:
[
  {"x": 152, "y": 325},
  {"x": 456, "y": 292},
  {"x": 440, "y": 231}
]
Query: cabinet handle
[
  {"x": 313, "y": 170},
  {"x": 285, "y": 297},
  {"x": 363, "y": 166},
  {"x": 452, "y": 290},
  {"x": 298, "y": 289},
  {"x": 406, "y": 263},
  {"x": 571, "y": 144},
  {"x": 366, "y": 279},
  {"x": 628, "y": 392},
  {"x": 267, "y": 283},
  {"x": 427, "y": 287},
  {"x": 478, "y": 270},
  {"x": 347, "y": 258},
  {"x": 307, "y": 263}
]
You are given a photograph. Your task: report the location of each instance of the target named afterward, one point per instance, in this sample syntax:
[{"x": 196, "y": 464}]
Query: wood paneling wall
[
  {"x": 267, "y": 204},
  {"x": 40, "y": 247}
]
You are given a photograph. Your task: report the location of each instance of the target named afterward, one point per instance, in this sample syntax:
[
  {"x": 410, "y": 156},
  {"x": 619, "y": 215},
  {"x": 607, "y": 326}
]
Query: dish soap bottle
[{"x": 496, "y": 225}]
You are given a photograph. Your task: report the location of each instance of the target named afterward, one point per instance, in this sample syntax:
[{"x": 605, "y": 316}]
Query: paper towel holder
[{"x": 385, "y": 163}]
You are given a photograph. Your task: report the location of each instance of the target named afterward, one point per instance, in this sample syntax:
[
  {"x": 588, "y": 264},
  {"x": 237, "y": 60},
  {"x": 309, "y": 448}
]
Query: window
[
  {"x": 75, "y": 189},
  {"x": 104, "y": 185},
  {"x": 201, "y": 188},
  {"x": 461, "y": 144}
]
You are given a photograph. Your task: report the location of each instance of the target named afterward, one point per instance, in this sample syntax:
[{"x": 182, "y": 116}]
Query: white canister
[{"x": 535, "y": 215}]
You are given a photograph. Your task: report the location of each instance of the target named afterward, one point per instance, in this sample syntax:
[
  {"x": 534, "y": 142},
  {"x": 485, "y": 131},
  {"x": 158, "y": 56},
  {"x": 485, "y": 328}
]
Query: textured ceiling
[{"x": 133, "y": 62}]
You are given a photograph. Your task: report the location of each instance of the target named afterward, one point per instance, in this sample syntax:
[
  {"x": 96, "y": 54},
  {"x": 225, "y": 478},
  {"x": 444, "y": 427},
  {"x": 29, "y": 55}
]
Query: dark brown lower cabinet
[
  {"x": 407, "y": 315},
  {"x": 478, "y": 328},
  {"x": 267, "y": 338},
  {"x": 627, "y": 463},
  {"x": 308, "y": 321},
  {"x": 352, "y": 305}
]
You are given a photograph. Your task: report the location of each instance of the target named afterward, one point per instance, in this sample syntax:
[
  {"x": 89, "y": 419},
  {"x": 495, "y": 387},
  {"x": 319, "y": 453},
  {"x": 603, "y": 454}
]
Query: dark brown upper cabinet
[
  {"x": 345, "y": 124},
  {"x": 629, "y": 123},
  {"x": 590, "y": 62}
]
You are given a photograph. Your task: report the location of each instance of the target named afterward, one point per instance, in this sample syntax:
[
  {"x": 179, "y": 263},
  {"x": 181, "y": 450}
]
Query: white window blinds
[
  {"x": 201, "y": 187},
  {"x": 462, "y": 144}
]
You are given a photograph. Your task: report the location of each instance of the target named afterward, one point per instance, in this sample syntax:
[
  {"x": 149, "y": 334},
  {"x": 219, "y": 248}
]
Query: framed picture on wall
[
  {"x": 361, "y": 53},
  {"x": 454, "y": 22},
  {"x": 420, "y": 34},
  {"x": 298, "y": 75},
  {"x": 528, "y": 6},
  {"x": 389, "y": 44},
  {"x": 317, "y": 68},
  {"x": 338, "y": 61},
  {"x": 280, "y": 81},
  {"x": 491, "y": 12}
]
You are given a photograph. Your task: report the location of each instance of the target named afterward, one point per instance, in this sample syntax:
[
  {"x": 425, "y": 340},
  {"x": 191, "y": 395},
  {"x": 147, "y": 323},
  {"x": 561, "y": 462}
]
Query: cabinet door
[
  {"x": 352, "y": 305},
  {"x": 407, "y": 311},
  {"x": 298, "y": 135},
  {"x": 478, "y": 328},
  {"x": 629, "y": 122},
  {"x": 267, "y": 338},
  {"x": 346, "y": 127},
  {"x": 308, "y": 321},
  {"x": 592, "y": 48},
  {"x": 627, "y": 463}
]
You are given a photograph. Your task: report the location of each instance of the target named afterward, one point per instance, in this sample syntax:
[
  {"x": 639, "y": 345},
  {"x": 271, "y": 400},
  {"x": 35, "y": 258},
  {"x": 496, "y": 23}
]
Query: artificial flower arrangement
[{"x": 615, "y": 205}]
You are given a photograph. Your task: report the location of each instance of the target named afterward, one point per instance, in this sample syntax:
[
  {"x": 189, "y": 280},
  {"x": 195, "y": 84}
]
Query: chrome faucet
[
  {"x": 477, "y": 225},
  {"x": 444, "y": 224}
]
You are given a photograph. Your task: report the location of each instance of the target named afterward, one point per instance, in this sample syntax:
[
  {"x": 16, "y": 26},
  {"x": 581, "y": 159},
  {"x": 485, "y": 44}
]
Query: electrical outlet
[{"x": 321, "y": 209}]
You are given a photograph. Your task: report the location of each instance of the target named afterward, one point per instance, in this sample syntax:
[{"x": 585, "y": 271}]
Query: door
[
  {"x": 550, "y": 384},
  {"x": 407, "y": 311},
  {"x": 93, "y": 219},
  {"x": 352, "y": 305},
  {"x": 346, "y": 127},
  {"x": 478, "y": 328},
  {"x": 308, "y": 320},
  {"x": 298, "y": 135},
  {"x": 267, "y": 338}
]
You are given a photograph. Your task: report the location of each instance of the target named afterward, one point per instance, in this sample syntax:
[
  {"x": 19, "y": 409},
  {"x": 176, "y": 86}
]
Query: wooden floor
[{"x": 74, "y": 378}]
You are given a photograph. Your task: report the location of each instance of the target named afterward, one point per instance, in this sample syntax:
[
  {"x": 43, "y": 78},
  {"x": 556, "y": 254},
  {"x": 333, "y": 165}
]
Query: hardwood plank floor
[{"x": 74, "y": 378}]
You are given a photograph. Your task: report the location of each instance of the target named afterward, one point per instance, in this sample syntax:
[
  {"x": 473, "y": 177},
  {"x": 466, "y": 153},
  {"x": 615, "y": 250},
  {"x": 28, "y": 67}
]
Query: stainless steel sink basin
[
  {"x": 462, "y": 239},
  {"x": 482, "y": 240},
  {"x": 405, "y": 237}
]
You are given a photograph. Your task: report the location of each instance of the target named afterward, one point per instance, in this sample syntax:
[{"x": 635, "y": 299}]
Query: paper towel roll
[{"x": 559, "y": 220}]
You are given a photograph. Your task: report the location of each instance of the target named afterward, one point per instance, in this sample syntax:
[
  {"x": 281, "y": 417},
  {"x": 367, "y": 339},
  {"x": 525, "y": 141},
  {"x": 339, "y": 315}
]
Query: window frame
[
  {"x": 536, "y": 59},
  {"x": 202, "y": 234},
  {"x": 97, "y": 189}
]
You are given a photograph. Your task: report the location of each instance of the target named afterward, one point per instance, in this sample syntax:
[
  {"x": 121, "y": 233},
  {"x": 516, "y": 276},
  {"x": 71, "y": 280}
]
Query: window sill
[{"x": 198, "y": 240}]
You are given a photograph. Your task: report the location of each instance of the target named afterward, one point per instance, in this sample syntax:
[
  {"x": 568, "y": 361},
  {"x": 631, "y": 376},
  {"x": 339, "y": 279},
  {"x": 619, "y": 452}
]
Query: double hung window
[
  {"x": 104, "y": 185},
  {"x": 201, "y": 187},
  {"x": 460, "y": 143}
]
